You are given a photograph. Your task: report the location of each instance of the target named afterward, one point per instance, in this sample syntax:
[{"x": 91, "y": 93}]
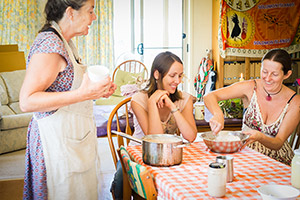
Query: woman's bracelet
[{"x": 174, "y": 110}]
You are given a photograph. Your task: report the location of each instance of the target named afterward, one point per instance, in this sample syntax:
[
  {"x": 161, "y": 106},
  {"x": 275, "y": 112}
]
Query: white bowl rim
[{"x": 280, "y": 187}]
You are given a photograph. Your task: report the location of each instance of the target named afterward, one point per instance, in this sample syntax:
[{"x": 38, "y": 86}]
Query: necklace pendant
[{"x": 268, "y": 98}]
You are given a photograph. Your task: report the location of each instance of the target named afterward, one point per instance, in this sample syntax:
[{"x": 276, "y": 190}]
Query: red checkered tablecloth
[{"x": 189, "y": 179}]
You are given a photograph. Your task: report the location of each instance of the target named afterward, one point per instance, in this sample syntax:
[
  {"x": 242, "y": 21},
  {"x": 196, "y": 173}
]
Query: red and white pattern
[{"x": 189, "y": 179}]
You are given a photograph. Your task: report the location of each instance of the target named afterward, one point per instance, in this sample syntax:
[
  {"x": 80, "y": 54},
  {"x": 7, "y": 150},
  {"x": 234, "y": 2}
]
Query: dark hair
[
  {"x": 162, "y": 63},
  {"x": 281, "y": 56},
  {"x": 55, "y": 9}
]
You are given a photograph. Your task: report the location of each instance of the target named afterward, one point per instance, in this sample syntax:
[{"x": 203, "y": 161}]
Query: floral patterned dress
[
  {"x": 35, "y": 180},
  {"x": 253, "y": 119}
]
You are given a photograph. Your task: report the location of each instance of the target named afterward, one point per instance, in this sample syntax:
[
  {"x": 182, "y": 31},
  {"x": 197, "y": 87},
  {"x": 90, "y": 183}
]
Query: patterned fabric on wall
[
  {"x": 251, "y": 27},
  {"x": 21, "y": 20}
]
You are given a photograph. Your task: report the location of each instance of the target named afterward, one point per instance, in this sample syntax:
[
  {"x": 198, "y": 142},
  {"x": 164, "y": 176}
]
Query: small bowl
[
  {"x": 224, "y": 146},
  {"x": 278, "y": 192}
]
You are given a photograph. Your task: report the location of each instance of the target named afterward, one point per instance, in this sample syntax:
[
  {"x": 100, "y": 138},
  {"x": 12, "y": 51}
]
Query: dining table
[{"x": 188, "y": 180}]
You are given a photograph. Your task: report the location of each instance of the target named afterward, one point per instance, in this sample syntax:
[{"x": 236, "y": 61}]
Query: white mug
[{"x": 97, "y": 72}]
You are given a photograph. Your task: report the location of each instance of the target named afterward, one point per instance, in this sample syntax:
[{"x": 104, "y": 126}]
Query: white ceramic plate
[{"x": 278, "y": 192}]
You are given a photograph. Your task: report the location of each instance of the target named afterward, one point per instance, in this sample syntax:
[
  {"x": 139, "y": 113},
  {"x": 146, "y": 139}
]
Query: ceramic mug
[{"x": 97, "y": 72}]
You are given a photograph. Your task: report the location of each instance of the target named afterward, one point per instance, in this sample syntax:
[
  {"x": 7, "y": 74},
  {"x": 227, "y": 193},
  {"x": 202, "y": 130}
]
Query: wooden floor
[{"x": 12, "y": 172}]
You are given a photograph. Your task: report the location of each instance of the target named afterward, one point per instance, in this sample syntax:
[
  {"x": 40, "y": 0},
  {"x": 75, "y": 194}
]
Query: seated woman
[
  {"x": 272, "y": 109},
  {"x": 161, "y": 107}
]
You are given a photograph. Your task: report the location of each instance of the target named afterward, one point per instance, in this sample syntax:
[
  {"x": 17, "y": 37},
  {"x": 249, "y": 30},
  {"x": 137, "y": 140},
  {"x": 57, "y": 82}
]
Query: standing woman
[
  {"x": 61, "y": 153},
  {"x": 272, "y": 109}
]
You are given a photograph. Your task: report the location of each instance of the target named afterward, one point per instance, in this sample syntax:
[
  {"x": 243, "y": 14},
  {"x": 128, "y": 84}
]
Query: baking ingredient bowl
[
  {"x": 231, "y": 141},
  {"x": 278, "y": 192}
]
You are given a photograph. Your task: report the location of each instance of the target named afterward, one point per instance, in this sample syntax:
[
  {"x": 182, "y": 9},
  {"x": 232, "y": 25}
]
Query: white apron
[{"x": 70, "y": 145}]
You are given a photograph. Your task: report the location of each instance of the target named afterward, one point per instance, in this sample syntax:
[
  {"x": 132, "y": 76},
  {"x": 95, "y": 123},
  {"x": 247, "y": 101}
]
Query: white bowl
[
  {"x": 97, "y": 72},
  {"x": 278, "y": 192}
]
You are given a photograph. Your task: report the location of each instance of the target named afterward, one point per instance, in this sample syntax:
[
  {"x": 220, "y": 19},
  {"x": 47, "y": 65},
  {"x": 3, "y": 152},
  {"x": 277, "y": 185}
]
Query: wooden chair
[
  {"x": 139, "y": 178},
  {"x": 130, "y": 72},
  {"x": 116, "y": 117},
  {"x": 121, "y": 109},
  {"x": 294, "y": 139},
  {"x": 132, "y": 66}
]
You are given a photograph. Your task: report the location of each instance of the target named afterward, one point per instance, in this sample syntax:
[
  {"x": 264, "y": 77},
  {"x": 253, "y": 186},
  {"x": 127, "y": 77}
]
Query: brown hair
[
  {"x": 281, "y": 56},
  {"x": 162, "y": 63},
  {"x": 55, "y": 9}
]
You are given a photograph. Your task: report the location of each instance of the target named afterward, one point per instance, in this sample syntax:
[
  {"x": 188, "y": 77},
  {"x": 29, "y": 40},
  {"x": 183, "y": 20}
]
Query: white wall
[{"x": 198, "y": 27}]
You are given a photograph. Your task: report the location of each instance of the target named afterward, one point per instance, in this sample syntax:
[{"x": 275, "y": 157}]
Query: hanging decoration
[
  {"x": 201, "y": 77},
  {"x": 252, "y": 27}
]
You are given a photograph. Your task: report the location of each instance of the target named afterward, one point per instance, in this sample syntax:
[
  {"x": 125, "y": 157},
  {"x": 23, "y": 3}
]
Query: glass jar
[
  {"x": 216, "y": 179},
  {"x": 295, "y": 175},
  {"x": 199, "y": 110}
]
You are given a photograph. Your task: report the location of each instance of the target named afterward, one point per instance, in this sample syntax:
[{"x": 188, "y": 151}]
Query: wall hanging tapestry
[{"x": 251, "y": 27}]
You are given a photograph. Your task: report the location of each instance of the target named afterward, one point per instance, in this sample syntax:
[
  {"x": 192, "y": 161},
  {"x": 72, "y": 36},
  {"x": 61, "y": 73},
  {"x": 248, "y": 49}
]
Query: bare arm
[
  {"x": 154, "y": 120},
  {"x": 150, "y": 121},
  {"x": 42, "y": 72},
  {"x": 238, "y": 90},
  {"x": 186, "y": 122}
]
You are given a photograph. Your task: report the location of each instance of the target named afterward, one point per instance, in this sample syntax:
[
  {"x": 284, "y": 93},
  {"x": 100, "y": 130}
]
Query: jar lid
[
  {"x": 297, "y": 151},
  {"x": 216, "y": 165}
]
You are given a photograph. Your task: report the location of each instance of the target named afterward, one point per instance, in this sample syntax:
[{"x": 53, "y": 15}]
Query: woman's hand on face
[
  {"x": 216, "y": 124},
  {"x": 95, "y": 90}
]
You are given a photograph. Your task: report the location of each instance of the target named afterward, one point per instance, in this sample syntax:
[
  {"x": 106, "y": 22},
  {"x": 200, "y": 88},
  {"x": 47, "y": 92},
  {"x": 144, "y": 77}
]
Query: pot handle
[
  {"x": 185, "y": 144},
  {"x": 127, "y": 136}
]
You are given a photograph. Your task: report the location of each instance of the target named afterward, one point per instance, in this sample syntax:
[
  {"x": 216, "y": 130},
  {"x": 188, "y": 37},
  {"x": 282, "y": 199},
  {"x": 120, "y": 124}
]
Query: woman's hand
[
  {"x": 95, "y": 90},
  {"x": 216, "y": 123},
  {"x": 254, "y": 135},
  {"x": 110, "y": 90},
  {"x": 157, "y": 98},
  {"x": 166, "y": 101},
  {"x": 161, "y": 98}
]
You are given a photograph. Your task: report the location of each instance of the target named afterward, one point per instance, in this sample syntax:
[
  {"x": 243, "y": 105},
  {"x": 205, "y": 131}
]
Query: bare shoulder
[
  {"x": 249, "y": 84},
  {"x": 295, "y": 102},
  {"x": 245, "y": 88}
]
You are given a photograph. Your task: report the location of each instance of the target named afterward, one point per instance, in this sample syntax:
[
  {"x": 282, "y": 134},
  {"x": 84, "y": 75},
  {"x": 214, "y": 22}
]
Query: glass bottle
[{"x": 295, "y": 176}]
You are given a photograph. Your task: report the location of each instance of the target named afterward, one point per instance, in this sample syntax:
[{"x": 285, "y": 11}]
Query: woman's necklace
[{"x": 268, "y": 97}]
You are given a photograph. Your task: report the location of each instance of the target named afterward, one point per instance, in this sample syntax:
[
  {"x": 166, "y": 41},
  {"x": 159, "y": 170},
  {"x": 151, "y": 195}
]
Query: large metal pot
[{"x": 160, "y": 149}]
